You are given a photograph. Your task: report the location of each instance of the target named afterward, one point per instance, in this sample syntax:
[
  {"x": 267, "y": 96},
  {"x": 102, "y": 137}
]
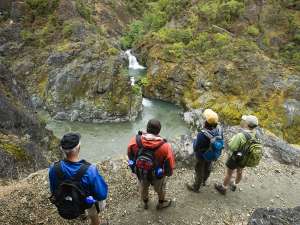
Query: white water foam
[{"x": 133, "y": 63}]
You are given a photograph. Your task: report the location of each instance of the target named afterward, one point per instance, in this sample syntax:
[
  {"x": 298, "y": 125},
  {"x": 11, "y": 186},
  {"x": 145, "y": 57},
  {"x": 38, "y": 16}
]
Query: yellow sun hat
[{"x": 210, "y": 116}]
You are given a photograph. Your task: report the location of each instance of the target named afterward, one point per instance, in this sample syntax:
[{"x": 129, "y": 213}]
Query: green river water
[{"x": 102, "y": 141}]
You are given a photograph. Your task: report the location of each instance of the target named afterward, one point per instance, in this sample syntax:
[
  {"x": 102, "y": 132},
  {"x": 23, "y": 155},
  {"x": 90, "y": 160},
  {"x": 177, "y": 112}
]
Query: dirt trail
[{"x": 271, "y": 184}]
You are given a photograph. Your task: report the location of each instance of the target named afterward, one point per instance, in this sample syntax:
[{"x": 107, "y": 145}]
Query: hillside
[
  {"x": 61, "y": 57},
  {"x": 233, "y": 56}
]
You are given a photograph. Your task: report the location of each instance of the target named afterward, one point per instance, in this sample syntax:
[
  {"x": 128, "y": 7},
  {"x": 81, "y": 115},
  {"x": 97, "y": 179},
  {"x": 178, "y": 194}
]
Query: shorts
[{"x": 232, "y": 163}]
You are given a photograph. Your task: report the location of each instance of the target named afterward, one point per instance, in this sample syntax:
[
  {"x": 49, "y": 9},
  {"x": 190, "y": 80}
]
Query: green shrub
[
  {"x": 83, "y": 10},
  {"x": 222, "y": 12},
  {"x": 169, "y": 35},
  {"x": 137, "y": 7},
  {"x": 296, "y": 37},
  {"x": 221, "y": 40},
  {"x": 69, "y": 27},
  {"x": 231, "y": 10},
  {"x": 42, "y": 7},
  {"x": 201, "y": 43},
  {"x": 175, "y": 7},
  {"x": 154, "y": 20},
  {"x": 145, "y": 82},
  {"x": 208, "y": 10},
  {"x": 27, "y": 36},
  {"x": 175, "y": 51},
  {"x": 136, "y": 89},
  {"x": 136, "y": 31},
  {"x": 112, "y": 51},
  {"x": 253, "y": 30},
  {"x": 290, "y": 54}
]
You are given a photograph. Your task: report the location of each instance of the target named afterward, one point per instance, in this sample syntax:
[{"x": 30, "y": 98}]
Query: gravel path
[{"x": 271, "y": 184}]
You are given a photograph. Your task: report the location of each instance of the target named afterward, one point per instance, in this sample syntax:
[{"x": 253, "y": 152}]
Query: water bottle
[
  {"x": 131, "y": 165},
  {"x": 90, "y": 200},
  {"x": 159, "y": 172}
]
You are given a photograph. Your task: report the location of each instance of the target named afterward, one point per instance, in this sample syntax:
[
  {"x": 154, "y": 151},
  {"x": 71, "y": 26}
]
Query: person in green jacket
[{"x": 248, "y": 123}]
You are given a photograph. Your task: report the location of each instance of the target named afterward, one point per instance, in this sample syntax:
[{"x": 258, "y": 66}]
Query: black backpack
[
  {"x": 69, "y": 195},
  {"x": 145, "y": 160}
]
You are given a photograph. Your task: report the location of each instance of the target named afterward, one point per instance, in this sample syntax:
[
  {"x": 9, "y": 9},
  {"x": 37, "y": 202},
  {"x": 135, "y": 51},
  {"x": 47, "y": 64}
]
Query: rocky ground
[{"x": 271, "y": 184}]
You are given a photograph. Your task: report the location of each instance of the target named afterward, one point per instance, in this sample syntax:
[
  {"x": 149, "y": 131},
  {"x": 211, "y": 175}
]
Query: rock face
[
  {"x": 275, "y": 217},
  {"x": 236, "y": 59},
  {"x": 25, "y": 144}
]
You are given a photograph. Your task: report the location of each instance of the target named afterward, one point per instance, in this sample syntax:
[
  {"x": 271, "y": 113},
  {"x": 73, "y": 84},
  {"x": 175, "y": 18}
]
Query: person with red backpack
[
  {"x": 208, "y": 148},
  {"x": 151, "y": 158},
  {"x": 246, "y": 151},
  {"x": 75, "y": 184}
]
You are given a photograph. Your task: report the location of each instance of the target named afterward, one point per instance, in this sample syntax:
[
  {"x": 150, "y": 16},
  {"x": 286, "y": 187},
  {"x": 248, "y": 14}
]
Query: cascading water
[
  {"x": 133, "y": 63},
  {"x": 134, "y": 67}
]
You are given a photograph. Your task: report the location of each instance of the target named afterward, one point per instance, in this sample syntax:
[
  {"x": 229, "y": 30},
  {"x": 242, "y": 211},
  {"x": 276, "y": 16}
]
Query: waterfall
[{"x": 133, "y": 63}]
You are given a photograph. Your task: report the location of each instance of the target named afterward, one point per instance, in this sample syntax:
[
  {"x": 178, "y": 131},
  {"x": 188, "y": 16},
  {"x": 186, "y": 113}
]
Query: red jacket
[{"x": 164, "y": 154}]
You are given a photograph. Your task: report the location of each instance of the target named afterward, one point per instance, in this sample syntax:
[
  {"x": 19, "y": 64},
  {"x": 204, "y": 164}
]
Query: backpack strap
[
  {"x": 139, "y": 141},
  {"x": 82, "y": 170},
  {"x": 59, "y": 173},
  {"x": 207, "y": 134},
  {"x": 247, "y": 135}
]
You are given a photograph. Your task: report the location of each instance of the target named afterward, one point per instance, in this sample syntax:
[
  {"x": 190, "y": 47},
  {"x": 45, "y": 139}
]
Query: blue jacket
[
  {"x": 91, "y": 180},
  {"x": 202, "y": 143}
]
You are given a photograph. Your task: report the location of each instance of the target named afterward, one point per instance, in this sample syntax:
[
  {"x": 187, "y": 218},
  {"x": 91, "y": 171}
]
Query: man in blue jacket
[
  {"x": 202, "y": 144},
  {"x": 91, "y": 180}
]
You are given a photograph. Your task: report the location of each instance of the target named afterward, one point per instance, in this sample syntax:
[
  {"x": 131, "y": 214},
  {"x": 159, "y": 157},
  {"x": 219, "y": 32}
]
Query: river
[{"x": 103, "y": 141}]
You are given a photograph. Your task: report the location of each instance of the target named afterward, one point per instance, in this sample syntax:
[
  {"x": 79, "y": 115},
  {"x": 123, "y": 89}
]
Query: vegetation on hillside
[{"x": 238, "y": 46}]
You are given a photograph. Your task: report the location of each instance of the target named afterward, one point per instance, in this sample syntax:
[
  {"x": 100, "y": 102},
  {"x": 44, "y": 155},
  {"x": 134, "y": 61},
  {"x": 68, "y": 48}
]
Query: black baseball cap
[{"x": 70, "y": 141}]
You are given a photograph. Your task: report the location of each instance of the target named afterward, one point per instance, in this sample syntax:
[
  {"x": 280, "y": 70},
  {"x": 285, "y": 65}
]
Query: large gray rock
[
  {"x": 183, "y": 151},
  {"x": 81, "y": 86},
  {"x": 275, "y": 217}
]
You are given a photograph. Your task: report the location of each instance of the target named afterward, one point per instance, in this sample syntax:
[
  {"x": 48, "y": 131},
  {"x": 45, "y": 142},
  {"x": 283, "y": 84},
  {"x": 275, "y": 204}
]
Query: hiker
[
  {"x": 246, "y": 151},
  {"x": 151, "y": 158},
  {"x": 76, "y": 185},
  {"x": 207, "y": 148}
]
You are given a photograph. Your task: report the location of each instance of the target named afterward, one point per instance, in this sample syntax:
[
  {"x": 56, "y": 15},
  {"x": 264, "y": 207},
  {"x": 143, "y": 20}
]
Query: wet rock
[{"x": 275, "y": 217}]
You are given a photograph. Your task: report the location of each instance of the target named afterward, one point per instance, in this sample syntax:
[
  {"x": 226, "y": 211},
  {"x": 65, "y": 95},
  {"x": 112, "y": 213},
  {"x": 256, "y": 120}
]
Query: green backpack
[{"x": 251, "y": 151}]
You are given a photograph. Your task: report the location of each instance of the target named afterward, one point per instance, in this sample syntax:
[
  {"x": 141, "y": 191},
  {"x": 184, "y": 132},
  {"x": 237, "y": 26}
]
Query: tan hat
[
  {"x": 251, "y": 120},
  {"x": 210, "y": 116}
]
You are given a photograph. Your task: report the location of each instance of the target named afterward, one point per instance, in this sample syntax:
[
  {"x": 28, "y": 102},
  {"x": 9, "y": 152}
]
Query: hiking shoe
[
  {"x": 232, "y": 187},
  {"x": 191, "y": 187},
  {"x": 220, "y": 189},
  {"x": 164, "y": 204}
]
